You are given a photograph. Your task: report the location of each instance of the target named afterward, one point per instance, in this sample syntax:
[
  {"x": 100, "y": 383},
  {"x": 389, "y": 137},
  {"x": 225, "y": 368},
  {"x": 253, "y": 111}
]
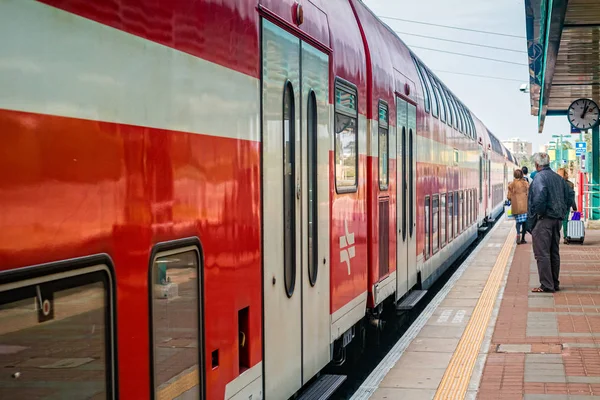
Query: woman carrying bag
[{"x": 518, "y": 191}]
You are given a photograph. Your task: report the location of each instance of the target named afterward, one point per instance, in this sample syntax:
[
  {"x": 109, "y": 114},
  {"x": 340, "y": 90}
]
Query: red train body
[{"x": 251, "y": 179}]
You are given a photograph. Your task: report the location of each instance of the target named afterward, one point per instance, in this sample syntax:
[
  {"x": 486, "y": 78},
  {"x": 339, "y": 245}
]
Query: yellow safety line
[
  {"x": 455, "y": 382},
  {"x": 179, "y": 385}
]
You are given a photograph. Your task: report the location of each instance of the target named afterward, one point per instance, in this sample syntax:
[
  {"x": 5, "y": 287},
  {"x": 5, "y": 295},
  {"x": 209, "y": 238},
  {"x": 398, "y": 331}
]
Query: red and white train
[{"x": 205, "y": 198}]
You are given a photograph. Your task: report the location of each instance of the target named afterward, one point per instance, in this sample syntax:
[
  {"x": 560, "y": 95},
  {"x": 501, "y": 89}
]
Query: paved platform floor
[{"x": 486, "y": 336}]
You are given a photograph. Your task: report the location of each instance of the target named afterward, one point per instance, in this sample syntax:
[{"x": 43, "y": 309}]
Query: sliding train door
[
  {"x": 406, "y": 275},
  {"x": 295, "y": 148}
]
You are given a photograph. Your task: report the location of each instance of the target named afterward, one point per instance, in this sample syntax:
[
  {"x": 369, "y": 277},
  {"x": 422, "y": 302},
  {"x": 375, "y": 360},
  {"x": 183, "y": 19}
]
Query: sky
[{"x": 498, "y": 103}]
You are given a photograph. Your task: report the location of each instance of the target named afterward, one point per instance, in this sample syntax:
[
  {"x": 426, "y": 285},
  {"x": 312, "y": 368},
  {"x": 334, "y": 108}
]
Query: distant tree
[{"x": 527, "y": 162}]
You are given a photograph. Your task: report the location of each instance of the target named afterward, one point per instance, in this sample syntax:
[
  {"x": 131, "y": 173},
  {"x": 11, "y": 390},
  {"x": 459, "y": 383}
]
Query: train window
[
  {"x": 469, "y": 130},
  {"x": 472, "y": 123},
  {"x": 402, "y": 159},
  {"x": 289, "y": 190},
  {"x": 450, "y": 217},
  {"x": 461, "y": 120},
  {"x": 465, "y": 124},
  {"x": 426, "y": 95},
  {"x": 57, "y": 332},
  {"x": 439, "y": 96},
  {"x": 455, "y": 111},
  {"x": 383, "y": 146},
  {"x": 411, "y": 180},
  {"x": 473, "y": 206},
  {"x": 468, "y": 206},
  {"x": 434, "y": 96},
  {"x": 456, "y": 157},
  {"x": 435, "y": 220},
  {"x": 450, "y": 118},
  {"x": 480, "y": 178},
  {"x": 443, "y": 219},
  {"x": 455, "y": 216},
  {"x": 176, "y": 318},
  {"x": 346, "y": 138},
  {"x": 427, "y": 227},
  {"x": 313, "y": 225},
  {"x": 461, "y": 213}
]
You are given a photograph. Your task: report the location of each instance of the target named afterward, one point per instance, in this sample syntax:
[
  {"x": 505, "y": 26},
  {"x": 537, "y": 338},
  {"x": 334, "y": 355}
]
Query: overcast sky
[{"x": 498, "y": 103}]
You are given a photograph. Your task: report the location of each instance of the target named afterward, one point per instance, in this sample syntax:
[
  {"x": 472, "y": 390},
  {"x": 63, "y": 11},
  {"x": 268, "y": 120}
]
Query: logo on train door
[{"x": 347, "y": 246}]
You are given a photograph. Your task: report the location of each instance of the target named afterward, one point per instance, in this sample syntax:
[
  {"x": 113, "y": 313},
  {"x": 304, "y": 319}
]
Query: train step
[
  {"x": 323, "y": 388},
  {"x": 484, "y": 228},
  {"x": 411, "y": 300}
]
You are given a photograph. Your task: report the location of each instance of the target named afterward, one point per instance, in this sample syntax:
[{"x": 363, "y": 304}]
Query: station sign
[
  {"x": 583, "y": 163},
  {"x": 580, "y": 148}
]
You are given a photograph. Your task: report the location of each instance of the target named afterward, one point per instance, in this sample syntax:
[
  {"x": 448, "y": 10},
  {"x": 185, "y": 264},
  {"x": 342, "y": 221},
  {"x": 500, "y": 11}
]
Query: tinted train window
[
  {"x": 346, "y": 138},
  {"x": 289, "y": 190},
  {"x": 456, "y": 212},
  {"x": 427, "y": 227},
  {"x": 440, "y": 98},
  {"x": 435, "y": 207},
  {"x": 175, "y": 292},
  {"x": 455, "y": 111},
  {"x": 450, "y": 217},
  {"x": 450, "y": 108},
  {"x": 434, "y": 96},
  {"x": 384, "y": 155},
  {"x": 462, "y": 217},
  {"x": 56, "y": 336},
  {"x": 313, "y": 224},
  {"x": 461, "y": 120},
  {"x": 443, "y": 219},
  {"x": 426, "y": 95}
]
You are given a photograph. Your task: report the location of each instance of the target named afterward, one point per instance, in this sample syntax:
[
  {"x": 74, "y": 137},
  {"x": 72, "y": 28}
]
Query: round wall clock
[{"x": 583, "y": 114}]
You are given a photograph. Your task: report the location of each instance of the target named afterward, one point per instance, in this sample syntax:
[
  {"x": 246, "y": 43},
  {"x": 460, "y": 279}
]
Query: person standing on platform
[
  {"x": 547, "y": 206},
  {"x": 571, "y": 204},
  {"x": 525, "y": 172},
  {"x": 517, "y": 195}
]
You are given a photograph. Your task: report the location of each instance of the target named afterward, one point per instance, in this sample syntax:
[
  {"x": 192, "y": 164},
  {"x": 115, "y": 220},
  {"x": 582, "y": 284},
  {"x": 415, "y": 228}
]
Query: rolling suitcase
[{"x": 575, "y": 232}]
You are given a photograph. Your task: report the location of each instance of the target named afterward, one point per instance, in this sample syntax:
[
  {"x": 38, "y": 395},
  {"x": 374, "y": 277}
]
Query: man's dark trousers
[{"x": 546, "y": 239}]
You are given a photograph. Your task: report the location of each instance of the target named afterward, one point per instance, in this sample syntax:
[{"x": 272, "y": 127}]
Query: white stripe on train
[{"x": 57, "y": 63}]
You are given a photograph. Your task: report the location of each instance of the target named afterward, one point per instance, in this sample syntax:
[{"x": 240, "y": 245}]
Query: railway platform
[{"x": 486, "y": 336}]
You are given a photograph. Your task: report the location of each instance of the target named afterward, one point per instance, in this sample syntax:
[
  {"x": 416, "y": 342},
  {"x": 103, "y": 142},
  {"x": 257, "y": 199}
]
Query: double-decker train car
[{"x": 212, "y": 199}]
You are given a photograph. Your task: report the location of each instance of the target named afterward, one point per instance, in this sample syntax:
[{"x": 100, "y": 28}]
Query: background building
[{"x": 518, "y": 147}]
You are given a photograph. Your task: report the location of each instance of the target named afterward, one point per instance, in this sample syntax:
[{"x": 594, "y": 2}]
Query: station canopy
[{"x": 563, "y": 39}]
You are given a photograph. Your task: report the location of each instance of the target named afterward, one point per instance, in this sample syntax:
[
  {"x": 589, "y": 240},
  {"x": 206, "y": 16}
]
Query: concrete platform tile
[
  {"x": 431, "y": 331},
  {"x": 541, "y": 302},
  {"x": 543, "y": 359},
  {"x": 434, "y": 345},
  {"x": 423, "y": 359},
  {"x": 514, "y": 348},
  {"x": 465, "y": 294},
  {"x": 459, "y": 302},
  {"x": 400, "y": 393},
  {"x": 413, "y": 378}
]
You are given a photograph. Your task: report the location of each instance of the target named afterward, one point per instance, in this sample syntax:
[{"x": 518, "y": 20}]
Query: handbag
[
  {"x": 509, "y": 213},
  {"x": 576, "y": 216}
]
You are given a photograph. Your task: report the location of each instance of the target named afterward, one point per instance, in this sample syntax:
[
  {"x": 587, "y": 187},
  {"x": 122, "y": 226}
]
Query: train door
[
  {"x": 295, "y": 148},
  {"x": 406, "y": 275},
  {"x": 481, "y": 179},
  {"x": 402, "y": 198},
  {"x": 412, "y": 195}
]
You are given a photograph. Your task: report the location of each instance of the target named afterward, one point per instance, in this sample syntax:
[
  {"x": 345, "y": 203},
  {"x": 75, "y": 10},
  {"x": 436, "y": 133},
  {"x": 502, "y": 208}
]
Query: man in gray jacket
[{"x": 547, "y": 206}]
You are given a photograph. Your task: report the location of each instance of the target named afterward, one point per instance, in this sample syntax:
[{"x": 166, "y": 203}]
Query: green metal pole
[{"x": 595, "y": 173}]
